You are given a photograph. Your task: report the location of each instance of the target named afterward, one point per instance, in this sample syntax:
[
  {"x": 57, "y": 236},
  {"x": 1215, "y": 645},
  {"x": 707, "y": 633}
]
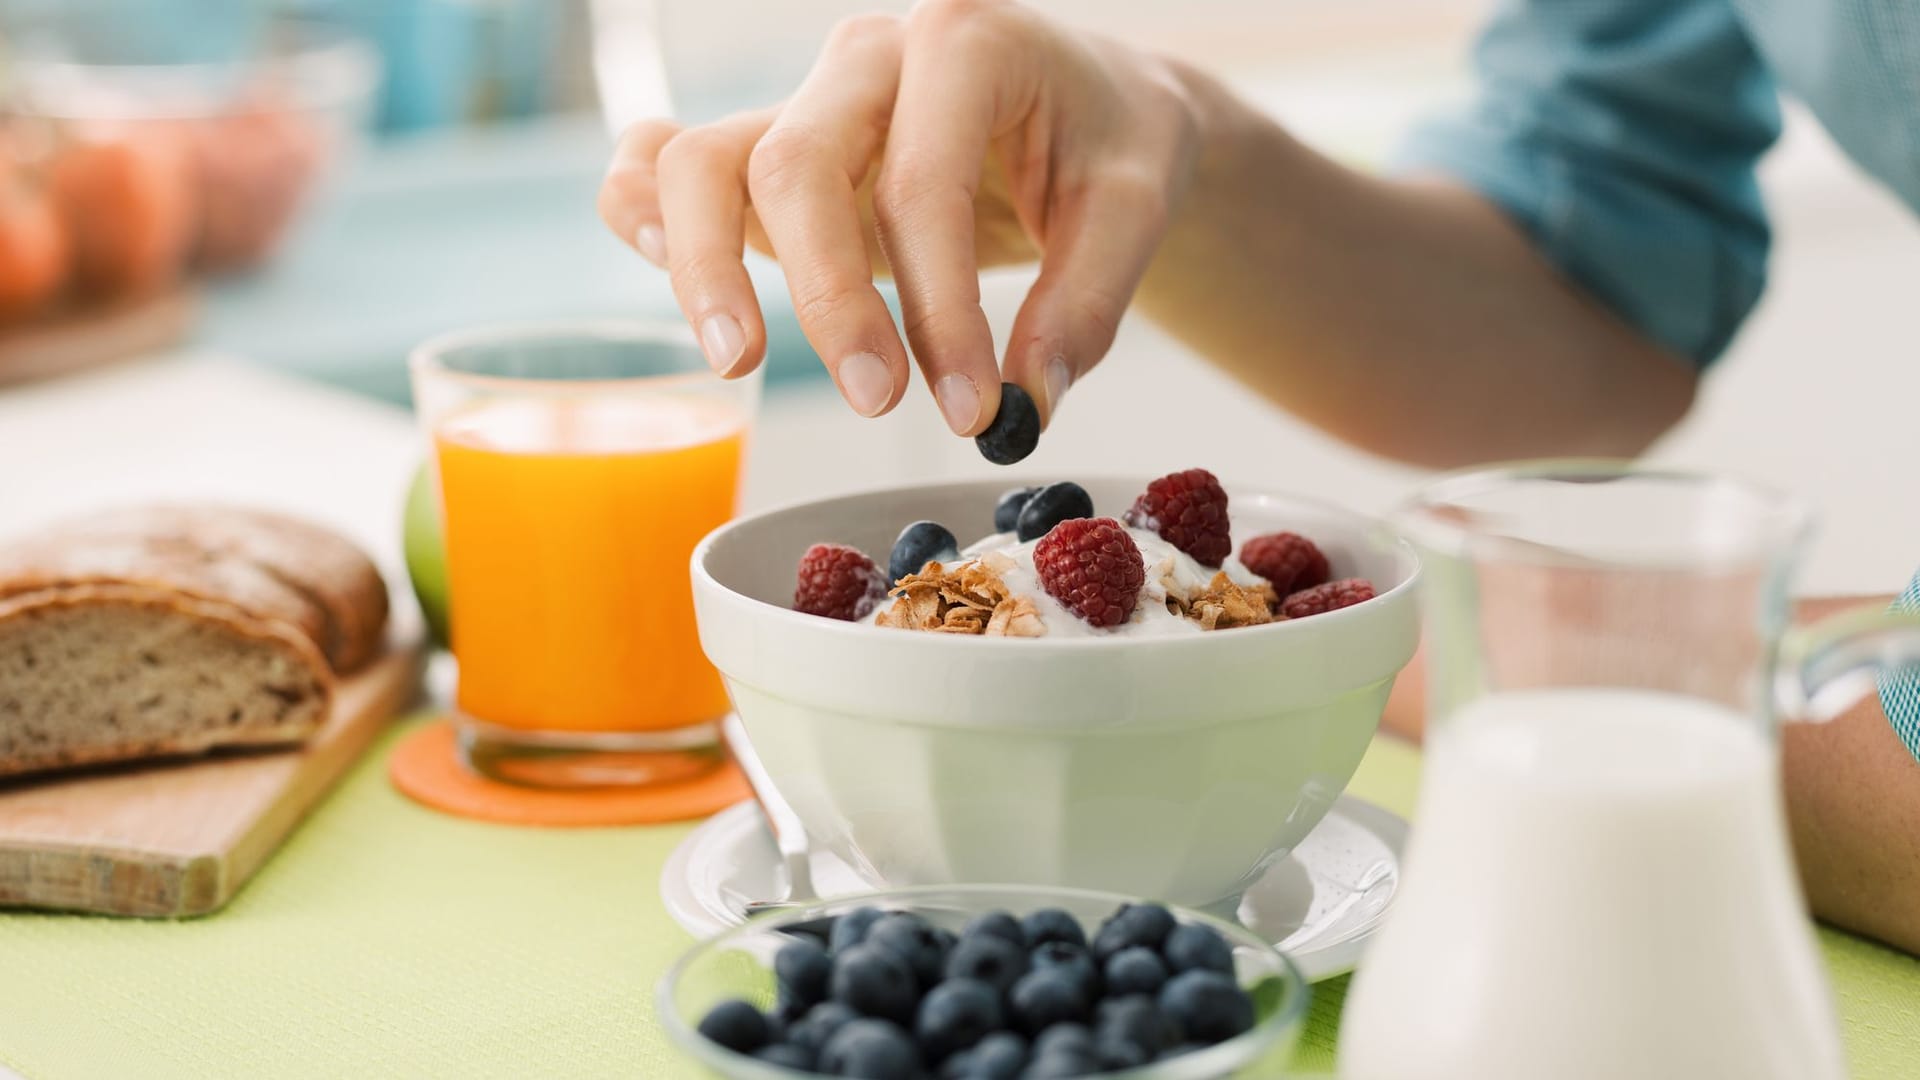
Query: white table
[{"x": 193, "y": 425}]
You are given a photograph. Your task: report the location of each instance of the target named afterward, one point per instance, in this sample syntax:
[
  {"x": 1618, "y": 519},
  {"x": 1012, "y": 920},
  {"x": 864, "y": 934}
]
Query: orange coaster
[{"x": 426, "y": 767}]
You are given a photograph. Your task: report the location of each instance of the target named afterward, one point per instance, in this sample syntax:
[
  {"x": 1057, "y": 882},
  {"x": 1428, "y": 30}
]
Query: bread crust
[
  {"x": 61, "y": 559},
  {"x": 308, "y": 688},
  {"x": 271, "y": 565}
]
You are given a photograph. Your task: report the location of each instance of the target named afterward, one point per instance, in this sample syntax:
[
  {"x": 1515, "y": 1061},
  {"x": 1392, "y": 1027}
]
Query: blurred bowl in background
[{"x": 206, "y": 162}]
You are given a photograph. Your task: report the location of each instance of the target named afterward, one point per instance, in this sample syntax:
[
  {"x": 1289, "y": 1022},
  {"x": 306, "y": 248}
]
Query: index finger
[{"x": 962, "y": 79}]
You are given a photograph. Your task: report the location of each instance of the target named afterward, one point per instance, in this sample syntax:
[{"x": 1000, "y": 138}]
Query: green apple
[{"x": 427, "y": 552}]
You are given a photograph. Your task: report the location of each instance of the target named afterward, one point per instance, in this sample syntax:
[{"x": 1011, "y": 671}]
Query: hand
[{"x": 970, "y": 134}]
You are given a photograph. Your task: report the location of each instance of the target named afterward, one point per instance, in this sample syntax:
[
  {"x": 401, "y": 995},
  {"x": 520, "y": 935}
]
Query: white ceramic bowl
[{"x": 1170, "y": 767}]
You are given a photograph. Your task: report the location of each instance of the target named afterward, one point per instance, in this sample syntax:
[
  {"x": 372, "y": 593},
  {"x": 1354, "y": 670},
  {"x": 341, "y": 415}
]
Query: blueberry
[
  {"x": 910, "y": 938},
  {"x": 1136, "y": 1019},
  {"x": 1050, "y": 506},
  {"x": 1065, "y": 1064},
  {"x": 1006, "y": 512},
  {"x": 1015, "y": 430},
  {"x": 737, "y": 1026},
  {"x": 1133, "y": 924},
  {"x": 955, "y": 1015},
  {"x": 991, "y": 959},
  {"x": 875, "y": 982},
  {"x": 788, "y": 1054},
  {"x": 787, "y": 1011},
  {"x": 1135, "y": 970},
  {"x": 1074, "y": 960},
  {"x": 997, "y": 923},
  {"x": 814, "y": 1029},
  {"x": 919, "y": 544},
  {"x": 1208, "y": 1006},
  {"x": 1192, "y": 947},
  {"x": 1066, "y": 1037},
  {"x": 1117, "y": 1054},
  {"x": 874, "y": 1049},
  {"x": 851, "y": 929},
  {"x": 999, "y": 1056},
  {"x": 803, "y": 971},
  {"x": 1052, "y": 924},
  {"x": 1042, "y": 999}
]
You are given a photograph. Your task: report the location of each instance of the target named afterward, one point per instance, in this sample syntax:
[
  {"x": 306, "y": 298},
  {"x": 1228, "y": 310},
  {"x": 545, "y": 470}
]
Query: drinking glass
[
  {"x": 577, "y": 465},
  {"x": 1599, "y": 882}
]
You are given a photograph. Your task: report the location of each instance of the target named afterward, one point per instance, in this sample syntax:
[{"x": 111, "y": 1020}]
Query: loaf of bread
[{"x": 171, "y": 630}]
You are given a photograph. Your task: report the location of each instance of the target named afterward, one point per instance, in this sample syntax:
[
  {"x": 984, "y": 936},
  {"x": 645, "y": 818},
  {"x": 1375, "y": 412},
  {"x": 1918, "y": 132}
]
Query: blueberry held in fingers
[
  {"x": 919, "y": 544},
  {"x": 1015, "y": 430},
  {"x": 1050, "y": 506}
]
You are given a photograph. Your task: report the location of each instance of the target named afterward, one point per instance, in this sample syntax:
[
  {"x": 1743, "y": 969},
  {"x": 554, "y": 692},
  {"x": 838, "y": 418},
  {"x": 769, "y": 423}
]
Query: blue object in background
[
  {"x": 429, "y": 51},
  {"x": 453, "y": 61},
  {"x": 446, "y": 61}
]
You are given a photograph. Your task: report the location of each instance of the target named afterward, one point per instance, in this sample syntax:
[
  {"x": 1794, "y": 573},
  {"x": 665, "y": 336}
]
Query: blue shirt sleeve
[
  {"x": 1623, "y": 135},
  {"x": 1900, "y": 691}
]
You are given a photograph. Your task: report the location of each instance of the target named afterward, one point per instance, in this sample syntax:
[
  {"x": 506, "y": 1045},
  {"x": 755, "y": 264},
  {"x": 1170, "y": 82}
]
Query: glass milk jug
[{"x": 1599, "y": 883}]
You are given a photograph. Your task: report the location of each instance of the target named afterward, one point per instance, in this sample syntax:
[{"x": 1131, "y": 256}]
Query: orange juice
[{"x": 569, "y": 525}]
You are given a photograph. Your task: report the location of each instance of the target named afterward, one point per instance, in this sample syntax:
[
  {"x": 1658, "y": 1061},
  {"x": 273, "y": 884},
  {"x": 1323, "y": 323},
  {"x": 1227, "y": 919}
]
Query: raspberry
[
  {"x": 1093, "y": 568},
  {"x": 1332, "y": 596},
  {"x": 1289, "y": 561},
  {"x": 1189, "y": 510},
  {"x": 838, "y": 582}
]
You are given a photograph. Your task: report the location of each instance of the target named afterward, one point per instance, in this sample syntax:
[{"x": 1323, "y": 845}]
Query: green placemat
[{"x": 387, "y": 940}]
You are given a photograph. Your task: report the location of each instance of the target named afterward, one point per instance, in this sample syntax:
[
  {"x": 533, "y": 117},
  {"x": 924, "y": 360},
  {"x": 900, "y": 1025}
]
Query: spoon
[{"x": 789, "y": 836}]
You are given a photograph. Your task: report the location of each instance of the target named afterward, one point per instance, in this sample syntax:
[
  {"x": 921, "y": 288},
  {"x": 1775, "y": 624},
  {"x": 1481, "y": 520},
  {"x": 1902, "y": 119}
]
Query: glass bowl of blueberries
[{"x": 985, "y": 982}]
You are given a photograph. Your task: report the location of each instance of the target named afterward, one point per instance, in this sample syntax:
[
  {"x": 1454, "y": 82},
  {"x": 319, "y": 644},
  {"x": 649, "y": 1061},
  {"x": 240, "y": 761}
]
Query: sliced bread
[
  {"x": 103, "y": 673},
  {"x": 170, "y": 630}
]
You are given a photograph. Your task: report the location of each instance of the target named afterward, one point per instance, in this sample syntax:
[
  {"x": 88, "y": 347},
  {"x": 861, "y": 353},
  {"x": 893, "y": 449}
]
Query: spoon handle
[{"x": 789, "y": 836}]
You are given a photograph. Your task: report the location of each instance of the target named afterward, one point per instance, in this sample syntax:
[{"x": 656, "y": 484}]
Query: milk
[{"x": 1599, "y": 886}]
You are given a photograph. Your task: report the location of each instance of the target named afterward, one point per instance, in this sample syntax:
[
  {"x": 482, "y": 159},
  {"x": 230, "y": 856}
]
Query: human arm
[
  {"x": 1410, "y": 316},
  {"x": 1853, "y": 805}
]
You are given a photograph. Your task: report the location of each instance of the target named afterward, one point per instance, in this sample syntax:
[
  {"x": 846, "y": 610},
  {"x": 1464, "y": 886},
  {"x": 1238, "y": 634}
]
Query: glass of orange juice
[{"x": 578, "y": 464}]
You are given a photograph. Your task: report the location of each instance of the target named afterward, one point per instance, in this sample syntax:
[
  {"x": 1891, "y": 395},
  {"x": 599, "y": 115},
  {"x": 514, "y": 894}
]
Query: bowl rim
[
  {"x": 1372, "y": 527},
  {"x": 1222, "y": 1056}
]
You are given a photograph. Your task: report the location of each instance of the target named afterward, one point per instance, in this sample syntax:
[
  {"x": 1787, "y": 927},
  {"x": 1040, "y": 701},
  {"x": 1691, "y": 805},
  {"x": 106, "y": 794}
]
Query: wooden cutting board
[{"x": 179, "y": 839}]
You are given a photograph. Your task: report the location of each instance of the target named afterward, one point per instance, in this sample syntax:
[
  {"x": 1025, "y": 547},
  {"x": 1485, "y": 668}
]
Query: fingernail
[
  {"x": 1059, "y": 377},
  {"x": 652, "y": 244},
  {"x": 723, "y": 341},
  {"x": 959, "y": 402},
  {"x": 866, "y": 382}
]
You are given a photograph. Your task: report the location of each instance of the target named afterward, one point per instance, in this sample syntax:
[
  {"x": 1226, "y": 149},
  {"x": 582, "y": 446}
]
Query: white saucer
[{"x": 1320, "y": 904}]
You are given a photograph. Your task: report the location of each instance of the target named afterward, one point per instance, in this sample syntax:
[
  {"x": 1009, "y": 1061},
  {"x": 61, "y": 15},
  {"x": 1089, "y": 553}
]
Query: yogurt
[{"x": 1168, "y": 569}]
